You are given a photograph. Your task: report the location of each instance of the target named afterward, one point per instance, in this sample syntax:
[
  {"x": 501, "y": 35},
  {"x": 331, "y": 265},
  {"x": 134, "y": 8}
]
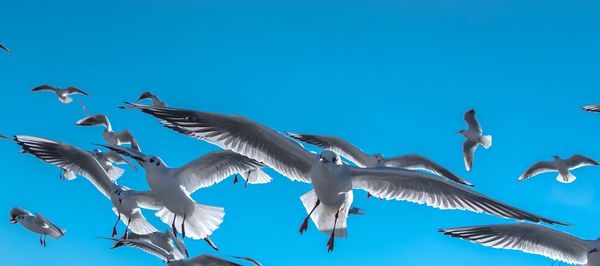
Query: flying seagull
[
  {"x": 106, "y": 159},
  {"x": 328, "y": 203},
  {"x": 5, "y": 48},
  {"x": 167, "y": 241},
  {"x": 36, "y": 223},
  {"x": 173, "y": 186},
  {"x": 64, "y": 95},
  {"x": 473, "y": 138},
  {"x": 592, "y": 108},
  {"x": 126, "y": 202},
  {"x": 559, "y": 165},
  {"x": 155, "y": 100},
  {"x": 360, "y": 158},
  {"x": 116, "y": 138},
  {"x": 533, "y": 239},
  {"x": 169, "y": 258}
]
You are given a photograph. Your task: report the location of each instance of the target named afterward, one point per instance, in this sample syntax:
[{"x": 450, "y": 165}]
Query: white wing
[
  {"x": 212, "y": 168},
  {"x": 418, "y": 162},
  {"x": 53, "y": 230},
  {"x": 337, "y": 145},
  {"x": 68, "y": 157},
  {"x": 528, "y": 238},
  {"x": 422, "y": 188},
  {"x": 472, "y": 121},
  {"x": 146, "y": 199},
  {"x": 469, "y": 148},
  {"x": 577, "y": 161},
  {"x": 240, "y": 135},
  {"x": 538, "y": 168}
]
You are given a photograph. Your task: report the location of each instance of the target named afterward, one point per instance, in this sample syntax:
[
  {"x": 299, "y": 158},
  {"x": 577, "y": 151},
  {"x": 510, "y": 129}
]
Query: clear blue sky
[{"x": 391, "y": 76}]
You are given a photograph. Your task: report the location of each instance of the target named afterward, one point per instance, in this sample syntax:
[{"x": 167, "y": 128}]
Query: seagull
[
  {"x": 592, "y": 108},
  {"x": 474, "y": 138},
  {"x": 167, "y": 241},
  {"x": 173, "y": 186},
  {"x": 155, "y": 100},
  {"x": 533, "y": 239},
  {"x": 36, "y": 223},
  {"x": 126, "y": 202},
  {"x": 106, "y": 159},
  {"x": 169, "y": 258},
  {"x": 359, "y": 158},
  {"x": 333, "y": 182},
  {"x": 559, "y": 165},
  {"x": 116, "y": 138},
  {"x": 5, "y": 48},
  {"x": 63, "y": 94}
]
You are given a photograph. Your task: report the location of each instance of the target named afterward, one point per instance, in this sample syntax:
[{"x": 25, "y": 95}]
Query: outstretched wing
[
  {"x": 538, "y": 168},
  {"x": 44, "y": 88},
  {"x": 413, "y": 186},
  {"x": 213, "y": 168},
  {"x": 472, "y": 121},
  {"x": 528, "y": 238},
  {"x": 418, "y": 162},
  {"x": 205, "y": 260},
  {"x": 577, "y": 161},
  {"x": 73, "y": 90},
  {"x": 337, "y": 145}
]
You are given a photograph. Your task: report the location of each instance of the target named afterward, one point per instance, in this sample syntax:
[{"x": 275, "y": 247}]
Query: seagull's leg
[
  {"x": 235, "y": 179},
  {"x": 332, "y": 237},
  {"x": 41, "y": 242},
  {"x": 183, "y": 226},
  {"x": 304, "y": 225},
  {"x": 114, "y": 232},
  {"x": 126, "y": 234},
  {"x": 211, "y": 243},
  {"x": 247, "y": 179},
  {"x": 173, "y": 225},
  {"x": 44, "y": 241}
]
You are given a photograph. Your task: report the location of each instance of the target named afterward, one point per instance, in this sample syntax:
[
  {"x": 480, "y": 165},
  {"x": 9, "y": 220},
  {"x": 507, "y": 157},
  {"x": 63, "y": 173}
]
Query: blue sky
[{"x": 391, "y": 76}]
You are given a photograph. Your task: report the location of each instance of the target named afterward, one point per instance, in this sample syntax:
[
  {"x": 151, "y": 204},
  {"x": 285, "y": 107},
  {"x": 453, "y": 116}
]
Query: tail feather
[
  {"x": 199, "y": 224},
  {"x": 114, "y": 172},
  {"x": 569, "y": 178},
  {"x": 486, "y": 141},
  {"x": 324, "y": 216}
]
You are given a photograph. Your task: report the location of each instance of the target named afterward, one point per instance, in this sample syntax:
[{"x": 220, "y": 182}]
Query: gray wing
[
  {"x": 418, "y": 162},
  {"x": 577, "y": 161},
  {"x": 73, "y": 90},
  {"x": 529, "y": 238},
  {"x": 418, "y": 187},
  {"x": 240, "y": 135},
  {"x": 538, "y": 168},
  {"x": 337, "y": 145},
  {"x": 472, "y": 121},
  {"x": 44, "y": 88},
  {"x": 116, "y": 158},
  {"x": 94, "y": 120},
  {"x": 68, "y": 157},
  {"x": 213, "y": 168},
  {"x": 53, "y": 230},
  {"x": 592, "y": 108},
  {"x": 127, "y": 136},
  {"x": 251, "y": 260},
  {"x": 144, "y": 246},
  {"x": 469, "y": 148},
  {"x": 209, "y": 260},
  {"x": 146, "y": 200}
]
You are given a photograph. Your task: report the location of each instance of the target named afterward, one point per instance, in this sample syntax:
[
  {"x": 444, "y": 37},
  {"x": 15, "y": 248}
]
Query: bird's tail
[
  {"x": 566, "y": 179},
  {"x": 486, "y": 141},
  {"x": 324, "y": 216},
  {"x": 199, "y": 224}
]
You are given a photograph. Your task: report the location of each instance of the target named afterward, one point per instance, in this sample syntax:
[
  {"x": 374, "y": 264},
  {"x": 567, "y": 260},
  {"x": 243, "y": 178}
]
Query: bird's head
[
  {"x": 120, "y": 192},
  {"x": 145, "y": 95},
  {"x": 556, "y": 157},
  {"x": 329, "y": 157},
  {"x": 16, "y": 214},
  {"x": 147, "y": 161}
]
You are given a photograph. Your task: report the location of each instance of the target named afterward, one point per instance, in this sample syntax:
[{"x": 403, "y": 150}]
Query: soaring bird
[
  {"x": 126, "y": 203},
  {"x": 112, "y": 137},
  {"x": 333, "y": 182},
  {"x": 533, "y": 239},
  {"x": 173, "y": 186},
  {"x": 36, "y": 223},
  {"x": 167, "y": 241},
  {"x": 360, "y": 158},
  {"x": 559, "y": 165},
  {"x": 64, "y": 95},
  {"x": 474, "y": 138}
]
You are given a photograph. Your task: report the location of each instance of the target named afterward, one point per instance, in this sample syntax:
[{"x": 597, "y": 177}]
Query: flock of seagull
[{"x": 247, "y": 148}]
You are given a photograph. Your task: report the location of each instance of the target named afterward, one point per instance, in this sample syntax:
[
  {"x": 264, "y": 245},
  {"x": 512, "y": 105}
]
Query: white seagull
[
  {"x": 126, "y": 202},
  {"x": 36, "y": 223},
  {"x": 169, "y": 258},
  {"x": 155, "y": 100},
  {"x": 167, "y": 241},
  {"x": 173, "y": 186},
  {"x": 474, "y": 138},
  {"x": 107, "y": 160},
  {"x": 112, "y": 137},
  {"x": 64, "y": 95},
  {"x": 361, "y": 159},
  {"x": 533, "y": 239},
  {"x": 328, "y": 203},
  {"x": 559, "y": 165}
]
